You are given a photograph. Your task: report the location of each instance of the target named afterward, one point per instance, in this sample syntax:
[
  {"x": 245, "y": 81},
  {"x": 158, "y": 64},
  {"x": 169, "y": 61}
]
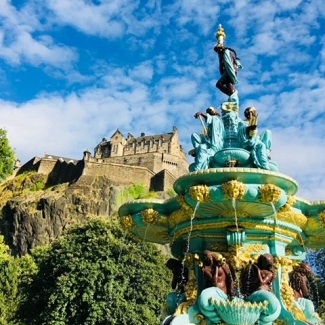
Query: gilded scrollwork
[
  {"x": 185, "y": 206},
  {"x": 313, "y": 224},
  {"x": 234, "y": 189},
  {"x": 163, "y": 220},
  {"x": 292, "y": 217},
  {"x": 177, "y": 217},
  {"x": 270, "y": 228},
  {"x": 239, "y": 256},
  {"x": 202, "y": 320},
  {"x": 185, "y": 213},
  {"x": 200, "y": 193},
  {"x": 270, "y": 193}
]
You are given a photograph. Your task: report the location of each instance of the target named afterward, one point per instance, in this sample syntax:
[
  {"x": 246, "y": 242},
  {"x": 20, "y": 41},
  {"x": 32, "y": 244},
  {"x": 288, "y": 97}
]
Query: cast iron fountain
[{"x": 237, "y": 232}]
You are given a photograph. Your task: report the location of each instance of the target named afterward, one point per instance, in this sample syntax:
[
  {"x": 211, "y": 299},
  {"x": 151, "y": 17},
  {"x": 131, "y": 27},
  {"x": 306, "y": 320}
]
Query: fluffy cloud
[{"x": 146, "y": 66}]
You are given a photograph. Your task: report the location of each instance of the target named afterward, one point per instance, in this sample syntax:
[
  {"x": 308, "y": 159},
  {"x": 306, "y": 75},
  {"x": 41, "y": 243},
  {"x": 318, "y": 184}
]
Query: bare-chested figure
[
  {"x": 301, "y": 281},
  {"x": 217, "y": 272},
  {"x": 259, "y": 275}
]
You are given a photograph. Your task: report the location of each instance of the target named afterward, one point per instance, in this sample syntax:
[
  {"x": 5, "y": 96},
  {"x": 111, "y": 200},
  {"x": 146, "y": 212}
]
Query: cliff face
[{"x": 33, "y": 214}]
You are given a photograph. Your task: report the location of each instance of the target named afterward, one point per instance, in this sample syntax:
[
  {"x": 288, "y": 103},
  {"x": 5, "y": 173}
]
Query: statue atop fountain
[{"x": 230, "y": 141}]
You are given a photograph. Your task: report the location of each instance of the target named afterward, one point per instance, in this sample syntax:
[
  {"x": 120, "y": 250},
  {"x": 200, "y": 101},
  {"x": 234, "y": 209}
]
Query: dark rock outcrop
[{"x": 40, "y": 216}]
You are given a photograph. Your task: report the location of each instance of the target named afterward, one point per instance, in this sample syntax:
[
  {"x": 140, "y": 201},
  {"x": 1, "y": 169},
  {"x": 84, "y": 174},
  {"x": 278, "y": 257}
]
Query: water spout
[{"x": 235, "y": 213}]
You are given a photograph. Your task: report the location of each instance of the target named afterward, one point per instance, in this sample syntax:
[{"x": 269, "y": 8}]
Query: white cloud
[
  {"x": 90, "y": 18},
  {"x": 167, "y": 72},
  {"x": 18, "y": 44},
  {"x": 201, "y": 13}
]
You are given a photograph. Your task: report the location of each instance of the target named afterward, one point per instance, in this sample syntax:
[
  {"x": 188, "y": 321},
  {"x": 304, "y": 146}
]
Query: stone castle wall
[
  {"x": 154, "y": 161},
  {"x": 46, "y": 166},
  {"x": 117, "y": 173}
]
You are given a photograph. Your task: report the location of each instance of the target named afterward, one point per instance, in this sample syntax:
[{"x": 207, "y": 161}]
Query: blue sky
[{"x": 73, "y": 71}]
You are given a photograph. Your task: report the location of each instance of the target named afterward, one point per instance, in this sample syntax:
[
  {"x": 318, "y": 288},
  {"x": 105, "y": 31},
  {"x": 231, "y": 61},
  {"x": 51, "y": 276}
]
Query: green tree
[
  {"x": 13, "y": 273},
  {"x": 7, "y": 156},
  {"x": 95, "y": 274}
]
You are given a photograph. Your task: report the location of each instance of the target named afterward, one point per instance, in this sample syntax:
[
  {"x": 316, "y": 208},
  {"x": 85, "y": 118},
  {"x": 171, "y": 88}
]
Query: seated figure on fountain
[
  {"x": 257, "y": 282},
  {"x": 219, "y": 284},
  {"x": 259, "y": 275},
  {"x": 207, "y": 144},
  {"x": 302, "y": 281},
  {"x": 217, "y": 272},
  {"x": 248, "y": 138}
]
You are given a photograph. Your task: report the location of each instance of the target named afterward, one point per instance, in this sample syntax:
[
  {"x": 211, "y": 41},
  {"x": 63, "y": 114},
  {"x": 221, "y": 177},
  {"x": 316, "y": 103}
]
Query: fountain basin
[
  {"x": 218, "y": 176},
  {"x": 224, "y": 156}
]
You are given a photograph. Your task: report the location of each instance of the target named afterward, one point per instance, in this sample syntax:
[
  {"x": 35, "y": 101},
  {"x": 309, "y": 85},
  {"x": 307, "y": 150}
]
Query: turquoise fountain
[{"x": 237, "y": 232}]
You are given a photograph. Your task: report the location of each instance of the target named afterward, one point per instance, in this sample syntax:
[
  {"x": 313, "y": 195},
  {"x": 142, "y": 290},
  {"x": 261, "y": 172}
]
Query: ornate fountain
[{"x": 237, "y": 232}]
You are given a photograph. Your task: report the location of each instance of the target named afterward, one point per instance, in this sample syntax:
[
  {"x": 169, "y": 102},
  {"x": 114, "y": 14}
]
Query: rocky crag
[{"x": 35, "y": 213}]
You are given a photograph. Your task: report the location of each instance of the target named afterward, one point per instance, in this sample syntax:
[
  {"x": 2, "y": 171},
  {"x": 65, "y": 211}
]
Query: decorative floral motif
[{"x": 292, "y": 217}]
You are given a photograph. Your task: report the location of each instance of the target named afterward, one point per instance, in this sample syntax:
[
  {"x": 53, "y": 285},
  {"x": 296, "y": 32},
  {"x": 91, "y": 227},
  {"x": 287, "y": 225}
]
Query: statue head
[
  {"x": 212, "y": 111},
  {"x": 265, "y": 261},
  {"x": 305, "y": 268},
  {"x": 210, "y": 257},
  {"x": 249, "y": 111}
]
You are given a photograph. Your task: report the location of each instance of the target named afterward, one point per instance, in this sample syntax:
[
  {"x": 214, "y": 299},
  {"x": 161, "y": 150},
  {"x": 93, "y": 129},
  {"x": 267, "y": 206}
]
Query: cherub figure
[{"x": 219, "y": 285}]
